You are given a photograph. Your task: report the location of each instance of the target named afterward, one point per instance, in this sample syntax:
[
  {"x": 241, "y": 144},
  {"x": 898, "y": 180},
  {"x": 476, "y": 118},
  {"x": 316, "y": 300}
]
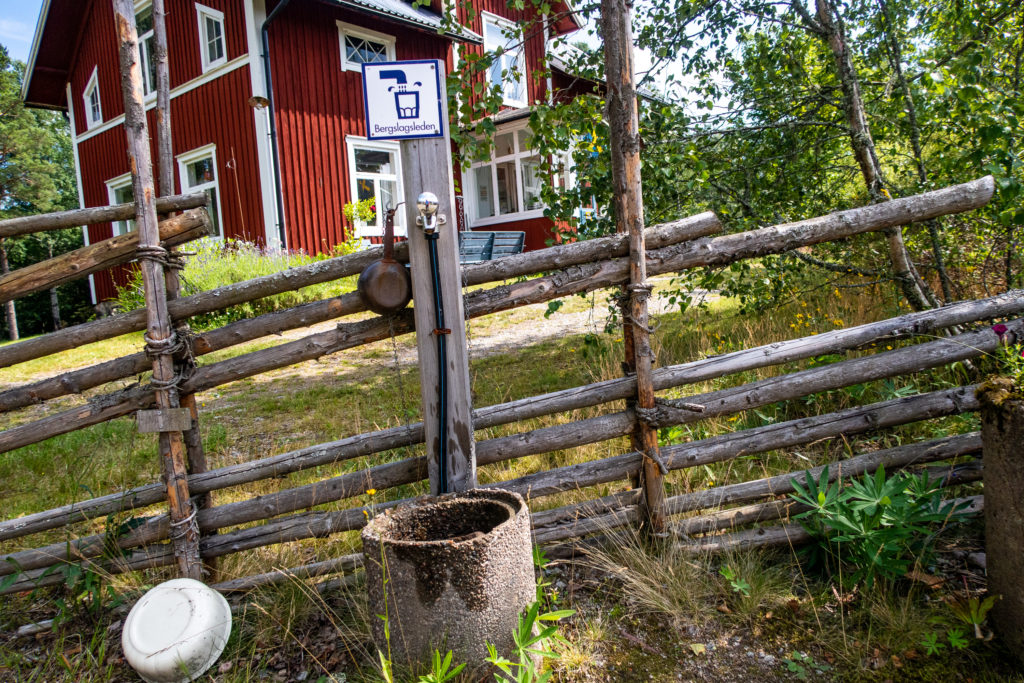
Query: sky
[{"x": 18, "y": 25}]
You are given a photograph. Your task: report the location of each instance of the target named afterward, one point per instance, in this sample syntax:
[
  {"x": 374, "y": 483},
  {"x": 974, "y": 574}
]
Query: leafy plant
[
  {"x": 737, "y": 584},
  {"x": 931, "y": 644},
  {"x": 801, "y": 664},
  {"x": 364, "y": 211},
  {"x": 534, "y": 636},
  {"x": 878, "y": 526},
  {"x": 440, "y": 669},
  {"x": 972, "y": 610}
]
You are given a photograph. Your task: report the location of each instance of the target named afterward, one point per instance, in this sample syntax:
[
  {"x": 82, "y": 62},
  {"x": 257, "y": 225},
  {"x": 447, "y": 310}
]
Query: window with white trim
[
  {"x": 212, "y": 49},
  {"x": 147, "y": 46},
  {"x": 362, "y": 46},
  {"x": 510, "y": 183},
  {"x": 119, "y": 191},
  {"x": 508, "y": 70},
  {"x": 91, "y": 98},
  {"x": 198, "y": 171},
  {"x": 374, "y": 172}
]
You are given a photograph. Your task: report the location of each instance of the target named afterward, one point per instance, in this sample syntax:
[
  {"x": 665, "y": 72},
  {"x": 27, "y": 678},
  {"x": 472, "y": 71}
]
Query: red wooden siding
[
  {"x": 98, "y": 48},
  {"x": 216, "y": 112},
  {"x": 318, "y": 105},
  {"x": 533, "y": 48}
]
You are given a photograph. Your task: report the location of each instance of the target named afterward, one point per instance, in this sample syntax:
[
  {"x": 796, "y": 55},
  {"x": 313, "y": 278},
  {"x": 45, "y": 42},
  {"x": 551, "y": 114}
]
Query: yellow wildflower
[{"x": 370, "y": 492}]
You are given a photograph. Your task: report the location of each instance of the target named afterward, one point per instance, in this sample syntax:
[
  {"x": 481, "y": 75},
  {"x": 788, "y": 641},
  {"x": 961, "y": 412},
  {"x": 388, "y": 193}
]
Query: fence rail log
[
  {"x": 700, "y": 252},
  {"x": 615, "y": 425},
  {"x": 571, "y": 477},
  {"x": 898, "y": 457},
  {"x": 337, "y": 565},
  {"x": 313, "y": 346},
  {"x": 79, "y": 263},
  {"x": 337, "y": 268},
  {"x": 784, "y": 535},
  {"x": 311, "y": 313},
  {"x": 26, "y": 225},
  {"x": 748, "y": 396}
]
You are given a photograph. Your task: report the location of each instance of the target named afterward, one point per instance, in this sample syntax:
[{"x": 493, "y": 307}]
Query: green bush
[
  {"x": 216, "y": 263},
  {"x": 875, "y": 527}
]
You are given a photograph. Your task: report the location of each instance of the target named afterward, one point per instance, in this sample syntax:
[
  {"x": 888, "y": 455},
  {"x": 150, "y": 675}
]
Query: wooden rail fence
[{"x": 287, "y": 515}]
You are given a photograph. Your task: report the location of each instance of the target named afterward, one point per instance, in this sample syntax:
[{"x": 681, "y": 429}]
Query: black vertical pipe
[{"x": 442, "y": 363}]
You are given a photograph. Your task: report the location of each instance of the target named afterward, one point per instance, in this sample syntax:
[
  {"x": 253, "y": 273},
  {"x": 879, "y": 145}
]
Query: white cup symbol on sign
[{"x": 407, "y": 102}]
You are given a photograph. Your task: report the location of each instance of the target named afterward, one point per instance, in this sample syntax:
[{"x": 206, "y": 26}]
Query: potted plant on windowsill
[{"x": 361, "y": 214}]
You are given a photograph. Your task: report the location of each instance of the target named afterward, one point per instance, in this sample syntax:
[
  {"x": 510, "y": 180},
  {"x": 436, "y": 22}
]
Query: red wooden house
[{"x": 267, "y": 112}]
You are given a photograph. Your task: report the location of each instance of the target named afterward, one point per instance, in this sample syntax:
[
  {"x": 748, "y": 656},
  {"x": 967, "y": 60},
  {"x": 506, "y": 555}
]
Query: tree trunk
[
  {"x": 863, "y": 146},
  {"x": 54, "y": 301},
  {"x": 12, "y": 314},
  {"x": 896, "y": 56}
]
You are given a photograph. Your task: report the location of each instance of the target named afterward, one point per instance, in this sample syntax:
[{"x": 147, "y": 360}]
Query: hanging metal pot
[{"x": 385, "y": 286}]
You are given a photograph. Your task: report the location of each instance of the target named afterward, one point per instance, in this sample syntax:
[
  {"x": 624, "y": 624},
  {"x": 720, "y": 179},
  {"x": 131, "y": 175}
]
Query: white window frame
[
  {"x": 92, "y": 87},
  {"x": 469, "y": 179},
  {"x": 353, "y": 142},
  {"x": 113, "y": 185},
  {"x": 519, "y": 54},
  {"x": 364, "y": 34},
  {"x": 192, "y": 156},
  {"x": 145, "y": 57},
  {"x": 202, "y": 14}
]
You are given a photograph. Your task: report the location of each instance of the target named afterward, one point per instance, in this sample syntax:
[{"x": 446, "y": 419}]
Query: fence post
[
  {"x": 161, "y": 341},
  {"x": 1002, "y": 428},
  {"x": 165, "y": 160},
  {"x": 427, "y": 167},
  {"x": 624, "y": 125}
]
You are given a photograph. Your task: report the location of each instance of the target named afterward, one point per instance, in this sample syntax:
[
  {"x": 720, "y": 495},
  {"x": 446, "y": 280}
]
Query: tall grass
[{"x": 216, "y": 263}]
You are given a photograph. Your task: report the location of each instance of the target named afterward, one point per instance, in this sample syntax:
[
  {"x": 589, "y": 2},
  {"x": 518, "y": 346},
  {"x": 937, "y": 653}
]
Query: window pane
[
  {"x": 144, "y": 20},
  {"x": 508, "y": 198},
  {"x": 366, "y": 188},
  {"x": 124, "y": 195},
  {"x": 214, "y": 212},
  {"x": 484, "y": 192},
  {"x": 514, "y": 79},
  {"x": 214, "y": 40},
  {"x": 148, "y": 65},
  {"x": 374, "y": 161},
  {"x": 525, "y": 140},
  {"x": 94, "y": 105},
  {"x": 200, "y": 172},
  {"x": 503, "y": 145},
  {"x": 364, "y": 51},
  {"x": 531, "y": 183}
]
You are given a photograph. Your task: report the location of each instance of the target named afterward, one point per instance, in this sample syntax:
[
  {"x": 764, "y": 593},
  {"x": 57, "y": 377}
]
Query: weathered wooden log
[
  {"x": 533, "y": 486},
  {"x": 786, "y": 535},
  {"x": 752, "y": 395},
  {"x": 338, "y": 565},
  {"x": 1002, "y": 429},
  {"x": 159, "y": 332},
  {"x": 337, "y": 268},
  {"x": 701, "y": 252},
  {"x": 890, "y": 458},
  {"x": 77, "y": 264},
  {"x": 488, "y": 451},
  {"x": 311, "y": 313},
  {"x": 26, "y": 225},
  {"x": 895, "y": 458}
]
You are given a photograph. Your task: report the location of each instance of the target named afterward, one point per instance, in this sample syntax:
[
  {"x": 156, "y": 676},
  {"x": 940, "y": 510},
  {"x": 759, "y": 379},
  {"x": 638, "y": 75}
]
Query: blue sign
[{"x": 403, "y": 99}]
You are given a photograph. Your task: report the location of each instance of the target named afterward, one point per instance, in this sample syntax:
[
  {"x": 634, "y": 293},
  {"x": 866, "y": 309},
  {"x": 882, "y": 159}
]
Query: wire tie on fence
[
  {"x": 154, "y": 253},
  {"x": 181, "y": 528},
  {"x": 640, "y": 290},
  {"x": 175, "y": 260}
]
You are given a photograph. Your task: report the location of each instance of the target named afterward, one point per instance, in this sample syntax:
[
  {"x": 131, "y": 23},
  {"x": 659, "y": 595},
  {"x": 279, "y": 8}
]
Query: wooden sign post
[{"x": 406, "y": 101}]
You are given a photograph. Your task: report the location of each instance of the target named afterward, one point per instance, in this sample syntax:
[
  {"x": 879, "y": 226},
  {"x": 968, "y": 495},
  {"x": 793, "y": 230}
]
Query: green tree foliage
[
  {"x": 36, "y": 176},
  {"x": 752, "y": 121}
]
